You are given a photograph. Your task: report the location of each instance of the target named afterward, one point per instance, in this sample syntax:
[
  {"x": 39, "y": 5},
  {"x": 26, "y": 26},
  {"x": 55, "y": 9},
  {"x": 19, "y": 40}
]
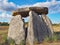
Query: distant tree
[
  {"x": 4, "y": 24},
  {"x": 55, "y": 24}
]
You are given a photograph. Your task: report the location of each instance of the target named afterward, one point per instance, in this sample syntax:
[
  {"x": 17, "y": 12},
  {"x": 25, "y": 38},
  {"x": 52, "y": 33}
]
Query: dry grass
[
  {"x": 4, "y": 31},
  {"x": 56, "y": 28},
  {"x": 4, "y": 27}
]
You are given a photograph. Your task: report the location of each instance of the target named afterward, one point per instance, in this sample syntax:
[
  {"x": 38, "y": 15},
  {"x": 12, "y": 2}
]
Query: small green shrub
[
  {"x": 11, "y": 42},
  {"x": 35, "y": 41},
  {"x": 47, "y": 39},
  {"x": 55, "y": 38},
  {"x": 22, "y": 42},
  {"x": 4, "y": 38}
]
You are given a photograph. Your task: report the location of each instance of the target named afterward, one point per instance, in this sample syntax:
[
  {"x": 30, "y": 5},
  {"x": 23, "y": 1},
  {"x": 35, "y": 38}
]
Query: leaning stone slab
[
  {"x": 16, "y": 29},
  {"x": 35, "y": 31},
  {"x": 48, "y": 25},
  {"x": 38, "y": 28}
]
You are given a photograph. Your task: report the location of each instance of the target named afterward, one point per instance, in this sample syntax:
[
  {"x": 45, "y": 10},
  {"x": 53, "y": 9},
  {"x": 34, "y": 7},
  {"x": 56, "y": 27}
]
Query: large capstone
[
  {"x": 25, "y": 11},
  {"x": 16, "y": 29}
]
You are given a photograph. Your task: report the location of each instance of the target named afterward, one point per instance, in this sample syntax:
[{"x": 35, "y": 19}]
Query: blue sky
[{"x": 7, "y": 6}]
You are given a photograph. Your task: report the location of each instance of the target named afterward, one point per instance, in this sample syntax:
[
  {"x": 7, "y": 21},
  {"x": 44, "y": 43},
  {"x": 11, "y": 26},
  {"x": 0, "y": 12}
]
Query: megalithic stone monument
[
  {"x": 38, "y": 26},
  {"x": 16, "y": 29}
]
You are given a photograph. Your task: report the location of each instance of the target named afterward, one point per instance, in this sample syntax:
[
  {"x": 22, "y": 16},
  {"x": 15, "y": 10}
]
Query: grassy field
[
  {"x": 56, "y": 28},
  {"x": 4, "y": 32}
]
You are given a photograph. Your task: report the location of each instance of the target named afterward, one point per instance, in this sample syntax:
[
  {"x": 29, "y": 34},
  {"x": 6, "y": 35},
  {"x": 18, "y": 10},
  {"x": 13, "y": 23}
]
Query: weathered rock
[
  {"x": 30, "y": 35},
  {"x": 16, "y": 29},
  {"x": 25, "y": 11},
  {"x": 35, "y": 32},
  {"x": 38, "y": 28},
  {"x": 48, "y": 25}
]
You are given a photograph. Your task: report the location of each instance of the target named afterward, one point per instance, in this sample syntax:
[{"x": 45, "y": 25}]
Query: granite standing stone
[
  {"x": 16, "y": 29},
  {"x": 30, "y": 35},
  {"x": 35, "y": 32}
]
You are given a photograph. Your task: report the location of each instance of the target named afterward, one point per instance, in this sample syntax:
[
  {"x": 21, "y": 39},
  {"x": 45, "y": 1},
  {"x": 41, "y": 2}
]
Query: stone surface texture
[
  {"x": 16, "y": 29},
  {"x": 38, "y": 28},
  {"x": 48, "y": 24}
]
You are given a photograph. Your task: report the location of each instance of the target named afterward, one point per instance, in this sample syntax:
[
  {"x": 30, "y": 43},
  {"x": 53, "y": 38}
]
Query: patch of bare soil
[
  {"x": 4, "y": 27},
  {"x": 54, "y": 43}
]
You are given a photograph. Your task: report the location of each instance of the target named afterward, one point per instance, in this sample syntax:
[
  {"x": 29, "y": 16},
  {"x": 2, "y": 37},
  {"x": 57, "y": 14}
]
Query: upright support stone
[
  {"x": 16, "y": 29},
  {"x": 48, "y": 25},
  {"x": 30, "y": 34},
  {"x": 38, "y": 28},
  {"x": 35, "y": 32}
]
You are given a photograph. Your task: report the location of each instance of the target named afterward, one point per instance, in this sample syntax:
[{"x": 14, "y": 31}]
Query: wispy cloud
[
  {"x": 5, "y": 17},
  {"x": 53, "y": 5},
  {"x": 7, "y": 6},
  {"x": 4, "y": 7}
]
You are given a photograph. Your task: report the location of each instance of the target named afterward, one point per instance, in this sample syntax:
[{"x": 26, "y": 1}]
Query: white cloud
[
  {"x": 4, "y": 7},
  {"x": 5, "y": 17},
  {"x": 7, "y": 6},
  {"x": 47, "y": 4},
  {"x": 23, "y": 6},
  {"x": 53, "y": 5}
]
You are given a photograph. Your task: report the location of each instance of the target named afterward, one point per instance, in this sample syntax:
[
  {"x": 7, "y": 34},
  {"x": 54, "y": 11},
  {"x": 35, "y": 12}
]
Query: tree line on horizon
[
  {"x": 7, "y": 24},
  {"x": 4, "y": 24}
]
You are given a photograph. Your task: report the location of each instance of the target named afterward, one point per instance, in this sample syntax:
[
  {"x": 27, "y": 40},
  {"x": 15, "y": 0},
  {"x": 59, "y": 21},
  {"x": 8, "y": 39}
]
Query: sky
[{"x": 7, "y": 6}]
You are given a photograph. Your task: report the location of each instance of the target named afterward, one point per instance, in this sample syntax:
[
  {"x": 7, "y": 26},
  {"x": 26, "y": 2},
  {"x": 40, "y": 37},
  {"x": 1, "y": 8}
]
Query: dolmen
[{"x": 39, "y": 25}]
